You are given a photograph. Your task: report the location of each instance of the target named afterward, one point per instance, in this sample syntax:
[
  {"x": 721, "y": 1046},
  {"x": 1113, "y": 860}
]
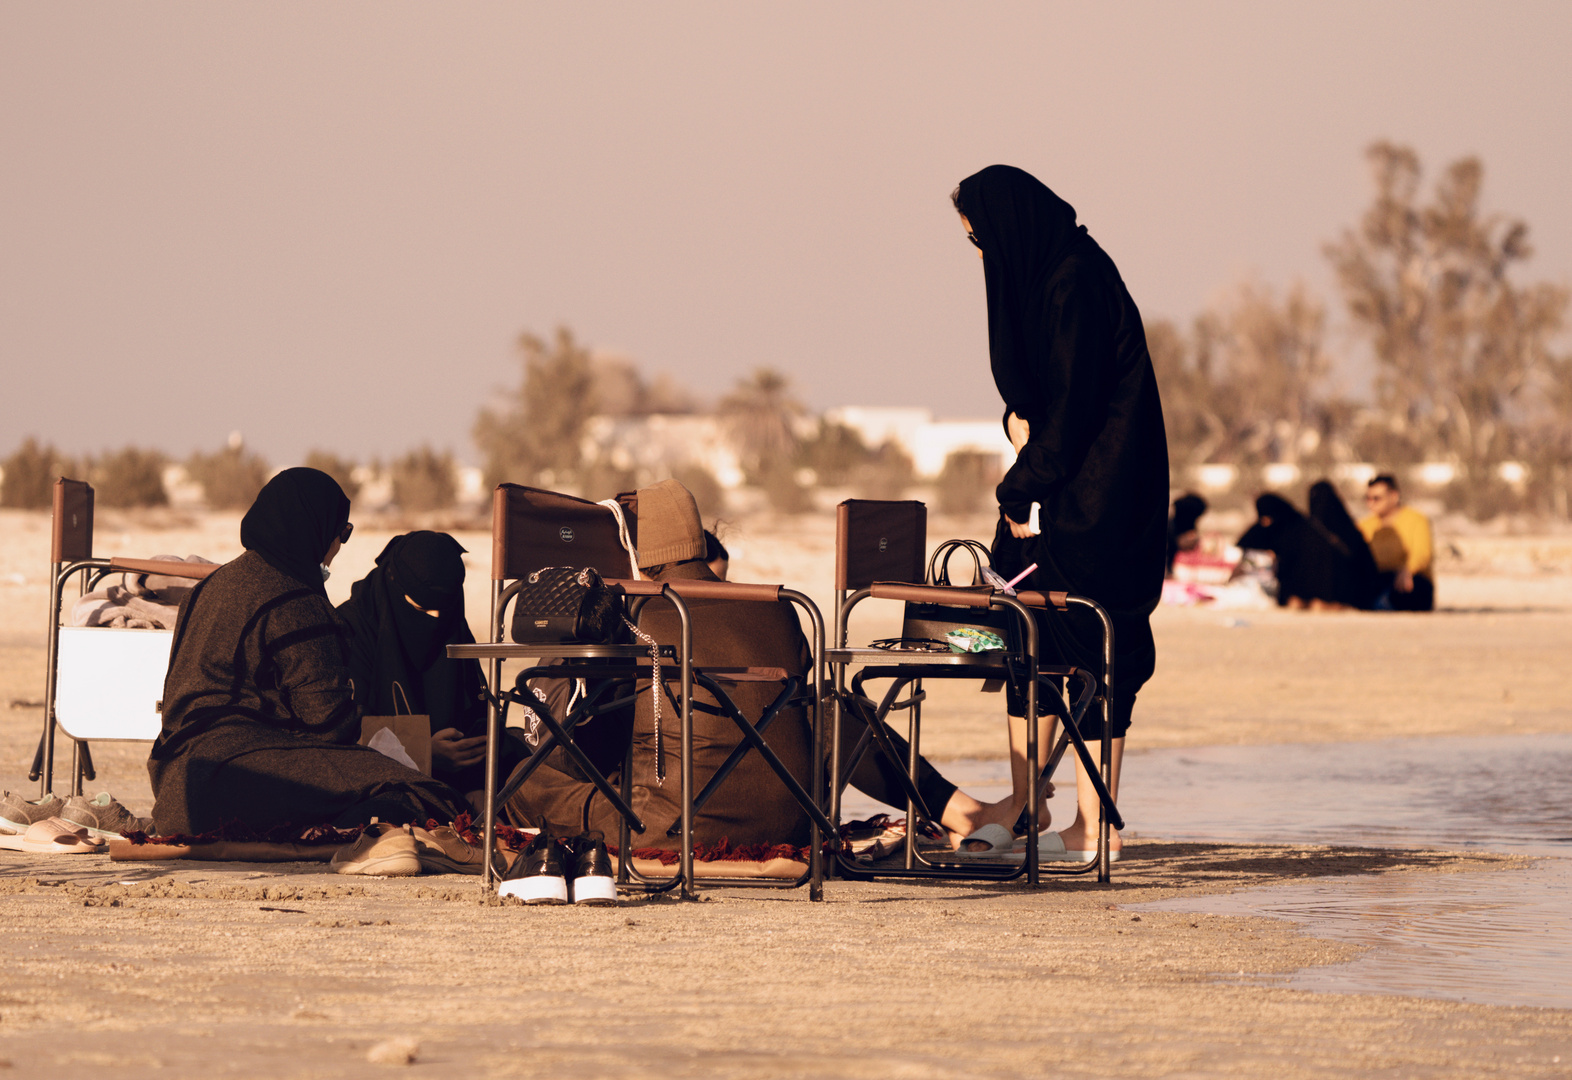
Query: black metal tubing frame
[
  {"x": 941, "y": 667},
  {"x": 43, "y": 769},
  {"x": 812, "y": 801},
  {"x": 497, "y": 650}
]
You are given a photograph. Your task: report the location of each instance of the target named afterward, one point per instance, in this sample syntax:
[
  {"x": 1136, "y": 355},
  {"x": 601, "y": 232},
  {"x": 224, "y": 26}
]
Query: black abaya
[
  {"x": 259, "y": 725},
  {"x": 1069, "y": 356},
  {"x": 1312, "y": 563},
  {"x": 397, "y": 653}
]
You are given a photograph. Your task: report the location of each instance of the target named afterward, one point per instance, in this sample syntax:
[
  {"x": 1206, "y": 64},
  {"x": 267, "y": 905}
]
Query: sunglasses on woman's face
[
  {"x": 973, "y": 238},
  {"x": 349, "y": 527}
]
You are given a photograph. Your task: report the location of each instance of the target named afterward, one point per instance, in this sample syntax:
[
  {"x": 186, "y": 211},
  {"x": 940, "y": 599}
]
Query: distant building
[
  {"x": 928, "y": 442},
  {"x": 662, "y": 442}
]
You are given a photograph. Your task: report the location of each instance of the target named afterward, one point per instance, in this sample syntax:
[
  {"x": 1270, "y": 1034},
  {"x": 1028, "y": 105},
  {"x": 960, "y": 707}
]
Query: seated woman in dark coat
[
  {"x": 260, "y": 725},
  {"x": 401, "y": 617},
  {"x": 752, "y": 806}
]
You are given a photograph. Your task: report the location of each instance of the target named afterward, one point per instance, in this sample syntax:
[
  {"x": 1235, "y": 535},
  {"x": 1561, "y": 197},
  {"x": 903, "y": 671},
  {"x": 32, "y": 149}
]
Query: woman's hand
[
  {"x": 1019, "y": 531},
  {"x": 451, "y": 752},
  {"x": 1019, "y": 430}
]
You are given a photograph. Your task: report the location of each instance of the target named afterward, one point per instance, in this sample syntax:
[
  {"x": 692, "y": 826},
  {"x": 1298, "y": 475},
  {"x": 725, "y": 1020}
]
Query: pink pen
[{"x": 1019, "y": 577}]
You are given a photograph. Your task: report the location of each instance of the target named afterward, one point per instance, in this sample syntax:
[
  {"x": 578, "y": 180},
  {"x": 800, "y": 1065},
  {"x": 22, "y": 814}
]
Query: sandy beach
[{"x": 230, "y": 969}]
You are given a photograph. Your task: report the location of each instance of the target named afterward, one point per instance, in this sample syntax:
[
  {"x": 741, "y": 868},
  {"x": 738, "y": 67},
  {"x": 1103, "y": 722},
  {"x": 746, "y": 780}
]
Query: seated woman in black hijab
[
  {"x": 1317, "y": 568},
  {"x": 401, "y": 618},
  {"x": 260, "y": 725}
]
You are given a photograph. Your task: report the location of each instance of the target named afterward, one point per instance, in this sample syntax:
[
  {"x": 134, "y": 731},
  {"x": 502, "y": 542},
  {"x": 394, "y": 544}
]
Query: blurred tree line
[
  {"x": 1465, "y": 366},
  {"x": 1466, "y": 372}
]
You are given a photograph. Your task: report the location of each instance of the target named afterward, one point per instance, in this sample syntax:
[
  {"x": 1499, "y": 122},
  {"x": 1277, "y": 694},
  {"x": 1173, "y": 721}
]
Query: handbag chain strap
[{"x": 658, "y": 691}]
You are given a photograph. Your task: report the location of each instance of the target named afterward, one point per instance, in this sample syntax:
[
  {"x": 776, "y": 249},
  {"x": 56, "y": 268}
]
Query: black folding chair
[
  {"x": 531, "y": 529},
  {"x": 880, "y": 548}
]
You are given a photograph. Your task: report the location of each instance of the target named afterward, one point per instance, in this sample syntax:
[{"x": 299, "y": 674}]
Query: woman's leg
[
  {"x": 959, "y": 813},
  {"x": 1082, "y": 833}
]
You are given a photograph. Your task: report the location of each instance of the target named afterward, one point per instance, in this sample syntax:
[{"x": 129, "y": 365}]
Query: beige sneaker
[
  {"x": 103, "y": 816},
  {"x": 381, "y": 851},
  {"x": 443, "y": 851},
  {"x": 17, "y": 813}
]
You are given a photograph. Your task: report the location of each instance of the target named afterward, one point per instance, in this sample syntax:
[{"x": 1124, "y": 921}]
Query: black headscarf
[
  {"x": 1025, "y": 231},
  {"x": 1188, "y": 509},
  {"x": 1328, "y": 511},
  {"x": 295, "y": 519},
  {"x": 392, "y": 642},
  {"x": 1312, "y": 563}
]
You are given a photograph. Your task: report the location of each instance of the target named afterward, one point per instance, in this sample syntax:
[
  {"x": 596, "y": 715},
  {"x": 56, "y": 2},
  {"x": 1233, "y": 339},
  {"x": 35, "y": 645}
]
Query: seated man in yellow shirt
[{"x": 1399, "y": 539}]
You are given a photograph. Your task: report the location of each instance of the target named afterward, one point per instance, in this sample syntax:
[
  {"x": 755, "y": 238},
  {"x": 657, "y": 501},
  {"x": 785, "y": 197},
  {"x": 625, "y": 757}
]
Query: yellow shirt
[{"x": 1403, "y": 540}]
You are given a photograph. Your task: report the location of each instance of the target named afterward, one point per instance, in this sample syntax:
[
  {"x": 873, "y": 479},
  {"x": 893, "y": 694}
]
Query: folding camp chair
[
  {"x": 879, "y": 554},
  {"x": 100, "y": 684},
  {"x": 532, "y": 529}
]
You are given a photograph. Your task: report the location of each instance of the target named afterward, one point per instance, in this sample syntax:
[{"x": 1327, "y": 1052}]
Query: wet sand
[{"x": 188, "y": 973}]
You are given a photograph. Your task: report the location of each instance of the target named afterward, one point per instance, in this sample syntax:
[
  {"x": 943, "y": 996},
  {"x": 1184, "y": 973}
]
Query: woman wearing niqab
[
  {"x": 401, "y": 617},
  {"x": 260, "y": 726},
  {"x": 1321, "y": 559},
  {"x": 1069, "y": 358}
]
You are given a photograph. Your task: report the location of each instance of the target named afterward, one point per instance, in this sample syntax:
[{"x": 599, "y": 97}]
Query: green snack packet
[{"x": 968, "y": 639}]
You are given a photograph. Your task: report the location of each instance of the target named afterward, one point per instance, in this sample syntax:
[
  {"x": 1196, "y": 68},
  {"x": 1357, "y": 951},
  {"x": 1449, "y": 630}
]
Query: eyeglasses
[
  {"x": 349, "y": 527},
  {"x": 973, "y": 238}
]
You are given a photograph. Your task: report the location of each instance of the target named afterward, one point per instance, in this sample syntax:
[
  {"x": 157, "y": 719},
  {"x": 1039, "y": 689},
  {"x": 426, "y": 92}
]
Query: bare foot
[
  {"x": 1083, "y": 837},
  {"x": 964, "y": 815}
]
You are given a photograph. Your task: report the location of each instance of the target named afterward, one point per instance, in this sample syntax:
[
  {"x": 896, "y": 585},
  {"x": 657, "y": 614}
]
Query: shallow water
[{"x": 1502, "y": 937}]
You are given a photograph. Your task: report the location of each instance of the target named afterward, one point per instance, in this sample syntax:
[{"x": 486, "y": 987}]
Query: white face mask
[{"x": 326, "y": 573}]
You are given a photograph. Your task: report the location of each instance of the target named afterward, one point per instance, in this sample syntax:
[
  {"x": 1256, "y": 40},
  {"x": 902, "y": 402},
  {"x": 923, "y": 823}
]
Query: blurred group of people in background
[{"x": 1325, "y": 560}]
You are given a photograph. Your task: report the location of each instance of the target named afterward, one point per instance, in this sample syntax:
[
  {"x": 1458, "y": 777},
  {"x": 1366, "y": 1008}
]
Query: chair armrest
[
  {"x": 166, "y": 567},
  {"x": 932, "y": 594},
  {"x": 702, "y": 590},
  {"x": 642, "y": 587},
  {"x": 1033, "y": 598},
  {"x": 726, "y": 590}
]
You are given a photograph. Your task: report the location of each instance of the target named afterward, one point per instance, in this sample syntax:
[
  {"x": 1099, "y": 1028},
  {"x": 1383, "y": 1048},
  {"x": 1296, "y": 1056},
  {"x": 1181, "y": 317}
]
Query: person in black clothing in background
[
  {"x": 1069, "y": 358},
  {"x": 1182, "y": 532}
]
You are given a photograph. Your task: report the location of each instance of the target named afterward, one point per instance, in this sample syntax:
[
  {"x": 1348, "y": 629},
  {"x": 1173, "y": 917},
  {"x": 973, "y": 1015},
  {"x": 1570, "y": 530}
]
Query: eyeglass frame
[{"x": 349, "y": 527}]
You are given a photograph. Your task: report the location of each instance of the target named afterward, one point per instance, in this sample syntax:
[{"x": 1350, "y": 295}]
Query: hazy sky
[{"x": 325, "y": 224}]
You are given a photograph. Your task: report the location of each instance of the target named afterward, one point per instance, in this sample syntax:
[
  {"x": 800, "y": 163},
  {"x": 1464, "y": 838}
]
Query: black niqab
[
  {"x": 1312, "y": 563},
  {"x": 394, "y": 644},
  {"x": 1025, "y": 231},
  {"x": 295, "y": 519},
  {"x": 1328, "y": 511}
]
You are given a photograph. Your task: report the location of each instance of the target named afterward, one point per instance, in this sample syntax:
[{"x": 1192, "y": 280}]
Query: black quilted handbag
[
  {"x": 931, "y": 622},
  {"x": 558, "y": 605}
]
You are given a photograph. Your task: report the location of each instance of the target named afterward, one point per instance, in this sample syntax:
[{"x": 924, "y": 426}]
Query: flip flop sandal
[
  {"x": 52, "y": 836},
  {"x": 1050, "y": 847},
  {"x": 997, "y": 837},
  {"x": 1088, "y": 856}
]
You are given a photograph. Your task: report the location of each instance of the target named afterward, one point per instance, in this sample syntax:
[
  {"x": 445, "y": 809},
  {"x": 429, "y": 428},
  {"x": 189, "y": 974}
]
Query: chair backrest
[
  {"x": 532, "y": 528},
  {"x": 879, "y": 540},
  {"x": 72, "y": 537},
  {"x": 109, "y": 682}
]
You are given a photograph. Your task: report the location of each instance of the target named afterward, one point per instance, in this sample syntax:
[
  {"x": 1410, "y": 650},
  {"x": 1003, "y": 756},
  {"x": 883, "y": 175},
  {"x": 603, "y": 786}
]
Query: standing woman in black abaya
[{"x": 1069, "y": 357}]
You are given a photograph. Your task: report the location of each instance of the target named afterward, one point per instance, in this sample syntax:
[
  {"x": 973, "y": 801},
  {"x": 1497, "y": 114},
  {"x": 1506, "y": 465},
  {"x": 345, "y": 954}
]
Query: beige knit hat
[{"x": 669, "y": 528}]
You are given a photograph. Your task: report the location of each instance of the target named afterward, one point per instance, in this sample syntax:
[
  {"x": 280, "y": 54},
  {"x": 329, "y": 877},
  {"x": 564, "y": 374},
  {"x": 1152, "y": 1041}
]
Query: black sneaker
[
  {"x": 536, "y": 876},
  {"x": 594, "y": 882}
]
